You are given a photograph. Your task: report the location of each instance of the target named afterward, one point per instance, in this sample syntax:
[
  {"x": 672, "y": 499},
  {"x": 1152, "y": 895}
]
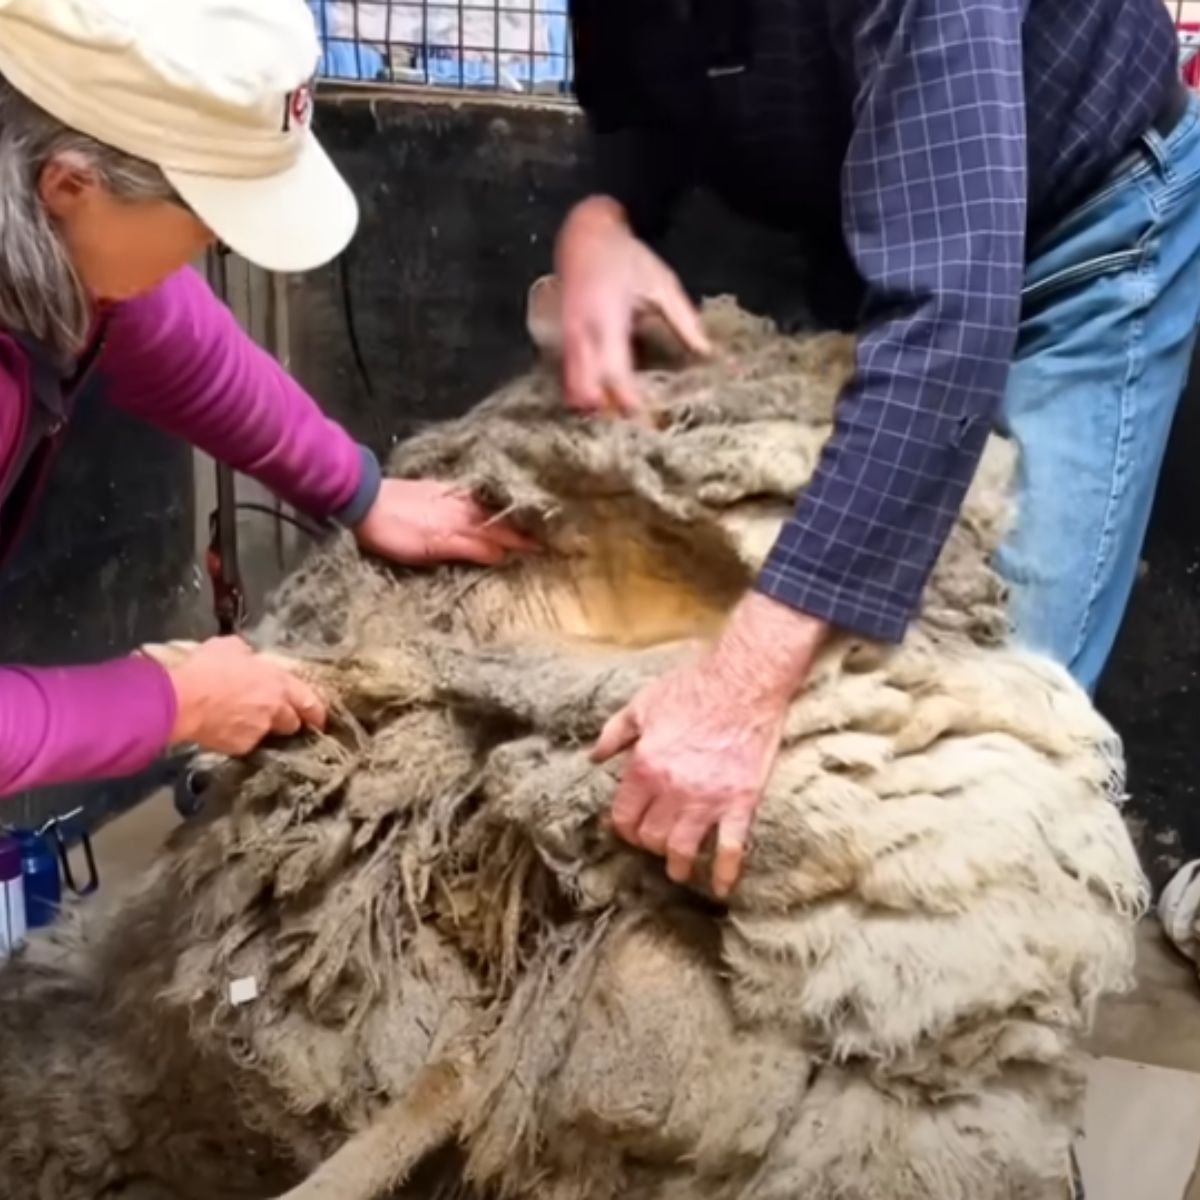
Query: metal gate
[
  {"x": 506, "y": 45},
  {"x": 515, "y": 46}
]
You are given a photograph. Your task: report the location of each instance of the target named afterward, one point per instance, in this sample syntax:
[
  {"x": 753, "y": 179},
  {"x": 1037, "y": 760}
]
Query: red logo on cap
[{"x": 299, "y": 108}]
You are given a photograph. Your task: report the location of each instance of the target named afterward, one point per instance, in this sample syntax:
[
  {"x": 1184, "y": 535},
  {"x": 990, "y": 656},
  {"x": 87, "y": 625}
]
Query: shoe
[
  {"x": 1179, "y": 907},
  {"x": 1075, "y": 1191}
]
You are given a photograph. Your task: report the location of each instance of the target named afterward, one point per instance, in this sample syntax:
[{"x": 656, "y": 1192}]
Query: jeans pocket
[{"x": 1079, "y": 273}]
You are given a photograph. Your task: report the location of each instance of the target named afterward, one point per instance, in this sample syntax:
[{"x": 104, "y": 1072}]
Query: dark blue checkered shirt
[{"x": 930, "y": 136}]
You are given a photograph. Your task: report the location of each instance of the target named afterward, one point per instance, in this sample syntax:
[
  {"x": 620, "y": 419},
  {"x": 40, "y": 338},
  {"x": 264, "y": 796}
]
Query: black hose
[
  {"x": 343, "y": 271},
  {"x": 308, "y": 528}
]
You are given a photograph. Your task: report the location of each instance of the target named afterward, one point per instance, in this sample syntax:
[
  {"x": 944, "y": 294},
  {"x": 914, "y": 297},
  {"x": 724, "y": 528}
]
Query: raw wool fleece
[{"x": 449, "y": 947}]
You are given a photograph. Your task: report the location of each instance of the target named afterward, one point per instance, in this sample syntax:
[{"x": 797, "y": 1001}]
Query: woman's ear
[{"x": 64, "y": 185}]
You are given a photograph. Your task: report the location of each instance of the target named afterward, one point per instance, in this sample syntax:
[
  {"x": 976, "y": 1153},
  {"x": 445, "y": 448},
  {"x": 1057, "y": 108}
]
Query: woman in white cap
[{"x": 132, "y": 134}]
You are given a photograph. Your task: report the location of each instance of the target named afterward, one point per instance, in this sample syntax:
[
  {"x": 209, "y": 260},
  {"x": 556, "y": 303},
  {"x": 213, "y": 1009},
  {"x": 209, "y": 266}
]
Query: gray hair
[{"x": 41, "y": 294}]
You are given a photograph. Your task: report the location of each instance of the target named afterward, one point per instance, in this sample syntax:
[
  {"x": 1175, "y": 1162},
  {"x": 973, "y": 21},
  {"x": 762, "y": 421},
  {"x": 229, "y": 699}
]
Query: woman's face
[{"x": 120, "y": 248}]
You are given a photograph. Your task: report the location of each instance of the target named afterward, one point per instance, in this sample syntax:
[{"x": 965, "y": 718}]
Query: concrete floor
[
  {"x": 128, "y": 844},
  {"x": 1157, "y": 1026}
]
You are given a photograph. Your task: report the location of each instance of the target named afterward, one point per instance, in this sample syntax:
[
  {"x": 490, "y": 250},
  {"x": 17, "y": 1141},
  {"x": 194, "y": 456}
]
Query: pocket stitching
[{"x": 1106, "y": 264}]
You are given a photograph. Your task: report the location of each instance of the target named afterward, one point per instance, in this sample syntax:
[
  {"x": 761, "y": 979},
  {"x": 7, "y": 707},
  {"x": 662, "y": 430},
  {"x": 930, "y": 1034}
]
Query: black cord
[
  {"x": 343, "y": 270},
  {"x": 309, "y": 528}
]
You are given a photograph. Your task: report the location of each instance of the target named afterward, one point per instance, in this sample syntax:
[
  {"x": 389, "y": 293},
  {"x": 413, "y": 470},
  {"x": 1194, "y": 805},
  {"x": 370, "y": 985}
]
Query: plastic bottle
[
  {"x": 43, "y": 885},
  {"x": 12, "y": 896}
]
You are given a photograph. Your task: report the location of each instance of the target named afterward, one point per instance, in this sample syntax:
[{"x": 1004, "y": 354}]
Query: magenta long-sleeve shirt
[{"x": 177, "y": 358}]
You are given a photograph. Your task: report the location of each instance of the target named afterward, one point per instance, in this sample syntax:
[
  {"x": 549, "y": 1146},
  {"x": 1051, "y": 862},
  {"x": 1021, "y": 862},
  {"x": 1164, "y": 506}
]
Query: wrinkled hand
[
  {"x": 608, "y": 277},
  {"x": 419, "y": 522},
  {"x": 228, "y": 699},
  {"x": 704, "y": 739}
]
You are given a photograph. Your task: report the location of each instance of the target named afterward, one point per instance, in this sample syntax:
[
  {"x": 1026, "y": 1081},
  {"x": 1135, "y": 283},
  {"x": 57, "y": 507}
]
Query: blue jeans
[{"x": 1109, "y": 316}]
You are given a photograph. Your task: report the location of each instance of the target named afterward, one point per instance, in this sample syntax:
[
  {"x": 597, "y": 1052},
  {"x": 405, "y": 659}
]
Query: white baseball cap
[{"x": 216, "y": 93}]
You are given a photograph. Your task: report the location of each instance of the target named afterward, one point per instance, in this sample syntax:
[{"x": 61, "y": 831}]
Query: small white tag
[{"x": 242, "y": 991}]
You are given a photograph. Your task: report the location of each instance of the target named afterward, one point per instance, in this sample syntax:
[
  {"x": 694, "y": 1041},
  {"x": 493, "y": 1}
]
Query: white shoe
[{"x": 1179, "y": 907}]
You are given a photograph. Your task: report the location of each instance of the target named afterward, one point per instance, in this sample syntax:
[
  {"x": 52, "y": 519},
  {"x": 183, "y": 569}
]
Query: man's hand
[
  {"x": 704, "y": 739},
  {"x": 419, "y": 522},
  {"x": 607, "y": 278}
]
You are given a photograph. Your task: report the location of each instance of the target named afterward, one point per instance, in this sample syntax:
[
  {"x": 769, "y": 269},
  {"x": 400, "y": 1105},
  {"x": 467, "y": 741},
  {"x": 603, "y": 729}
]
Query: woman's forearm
[
  {"x": 177, "y": 358},
  {"x": 64, "y": 724}
]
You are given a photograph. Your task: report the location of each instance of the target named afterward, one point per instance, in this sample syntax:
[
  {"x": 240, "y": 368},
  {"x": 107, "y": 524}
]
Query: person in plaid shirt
[{"x": 1013, "y": 185}]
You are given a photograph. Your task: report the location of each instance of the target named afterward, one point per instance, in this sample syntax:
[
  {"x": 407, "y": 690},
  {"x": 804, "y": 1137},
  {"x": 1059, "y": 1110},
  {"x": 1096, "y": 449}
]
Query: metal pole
[{"x": 223, "y": 563}]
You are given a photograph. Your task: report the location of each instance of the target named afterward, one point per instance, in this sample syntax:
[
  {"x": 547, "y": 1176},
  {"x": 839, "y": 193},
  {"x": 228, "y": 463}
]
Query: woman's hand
[
  {"x": 228, "y": 699},
  {"x": 608, "y": 277},
  {"x": 419, "y": 522}
]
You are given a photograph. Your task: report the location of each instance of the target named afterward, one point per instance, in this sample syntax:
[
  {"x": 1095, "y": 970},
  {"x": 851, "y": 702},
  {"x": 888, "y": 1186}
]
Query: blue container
[
  {"x": 46, "y": 869},
  {"x": 43, "y": 882}
]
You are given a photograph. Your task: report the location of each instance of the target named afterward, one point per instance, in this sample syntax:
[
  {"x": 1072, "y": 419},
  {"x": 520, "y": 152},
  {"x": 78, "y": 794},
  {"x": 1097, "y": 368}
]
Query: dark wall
[
  {"x": 460, "y": 203},
  {"x": 105, "y": 566},
  {"x": 1151, "y": 691}
]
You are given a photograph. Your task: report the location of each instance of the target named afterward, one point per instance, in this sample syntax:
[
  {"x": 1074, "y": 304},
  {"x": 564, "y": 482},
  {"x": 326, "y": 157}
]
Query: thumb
[{"x": 619, "y": 733}]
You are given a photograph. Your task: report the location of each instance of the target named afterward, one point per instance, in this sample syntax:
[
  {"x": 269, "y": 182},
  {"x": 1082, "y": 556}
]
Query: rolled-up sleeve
[{"x": 934, "y": 208}]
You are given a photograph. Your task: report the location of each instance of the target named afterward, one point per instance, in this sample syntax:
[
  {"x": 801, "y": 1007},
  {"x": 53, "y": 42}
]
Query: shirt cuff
[
  {"x": 856, "y": 606},
  {"x": 370, "y": 480}
]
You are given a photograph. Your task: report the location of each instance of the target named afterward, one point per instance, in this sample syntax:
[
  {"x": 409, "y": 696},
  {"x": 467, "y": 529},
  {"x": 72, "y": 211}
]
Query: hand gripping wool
[{"x": 410, "y": 950}]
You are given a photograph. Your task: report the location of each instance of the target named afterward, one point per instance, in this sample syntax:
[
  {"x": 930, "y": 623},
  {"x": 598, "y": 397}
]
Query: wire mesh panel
[
  {"x": 507, "y": 45},
  {"x": 494, "y": 45}
]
